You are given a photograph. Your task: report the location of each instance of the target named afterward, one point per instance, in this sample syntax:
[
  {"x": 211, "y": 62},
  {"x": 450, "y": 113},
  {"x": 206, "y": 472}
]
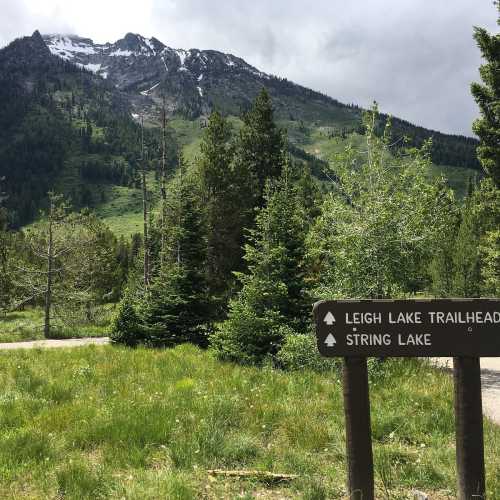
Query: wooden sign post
[{"x": 464, "y": 329}]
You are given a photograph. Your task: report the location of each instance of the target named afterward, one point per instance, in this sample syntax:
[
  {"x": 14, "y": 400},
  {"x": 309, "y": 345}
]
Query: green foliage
[
  {"x": 226, "y": 192},
  {"x": 466, "y": 260},
  {"x": 273, "y": 289},
  {"x": 487, "y": 96},
  {"x": 126, "y": 327},
  {"x": 261, "y": 148},
  {"x": 380, "y": 224},
  {"x": 490, "y": 256},
  {"x": 175, "y": 307},
  {"x": 67, "y": 261},
  {"x": 466, "y": 263},
  {"x": 299, "y": 351}
]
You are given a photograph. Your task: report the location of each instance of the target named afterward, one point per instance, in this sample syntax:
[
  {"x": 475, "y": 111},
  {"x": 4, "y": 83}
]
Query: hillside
[
  {"x": 195, "y": 82},
  {"x": 71, "y": 110}
]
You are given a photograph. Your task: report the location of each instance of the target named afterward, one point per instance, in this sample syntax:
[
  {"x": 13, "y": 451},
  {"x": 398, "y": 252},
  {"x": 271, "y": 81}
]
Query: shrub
[
  {"x": 125, "y": 327},
  {"x": 247, "y": 337},
  {"x": 299, "y": 352}
]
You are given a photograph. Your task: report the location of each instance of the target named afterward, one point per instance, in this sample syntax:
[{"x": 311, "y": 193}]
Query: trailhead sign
[{"x": 400, "y": 328}]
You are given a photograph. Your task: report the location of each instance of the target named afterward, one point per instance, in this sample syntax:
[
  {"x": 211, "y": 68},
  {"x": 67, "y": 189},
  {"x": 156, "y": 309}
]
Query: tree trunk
[
  {"x": 163, "y": 182},
  {"x": 48, "y": 291},
  {"x": 146, "y": 232},
  {"x": 145, "y": 210}
]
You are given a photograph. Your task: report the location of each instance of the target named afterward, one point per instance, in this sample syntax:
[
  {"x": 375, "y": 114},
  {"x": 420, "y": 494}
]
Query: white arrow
[
  {"x": 329, "y": 319},
  {"x": 330, "y": 340}
]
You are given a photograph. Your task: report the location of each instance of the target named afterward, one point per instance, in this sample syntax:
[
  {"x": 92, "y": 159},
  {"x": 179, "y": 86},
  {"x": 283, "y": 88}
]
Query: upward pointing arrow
[
  {"x": 329, "y": 319},
  {"x": 330, "y": 340}
]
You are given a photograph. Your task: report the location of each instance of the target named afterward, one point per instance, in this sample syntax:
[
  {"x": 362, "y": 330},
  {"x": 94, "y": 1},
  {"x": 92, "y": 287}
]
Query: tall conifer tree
[
  {"x": 273, "y": 291},
  {"x": 228, "y": 204},
  {"x": 261, "y": 144},
  {"x": 487, "y": 96},
  {"x": 175, "y": 307}
]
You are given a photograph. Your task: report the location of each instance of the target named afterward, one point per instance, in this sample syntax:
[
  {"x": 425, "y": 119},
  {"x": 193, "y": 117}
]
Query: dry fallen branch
[{"x": 257, "y": 474}]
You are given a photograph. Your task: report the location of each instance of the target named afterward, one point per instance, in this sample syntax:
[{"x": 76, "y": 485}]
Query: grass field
[
  {"x": 107, "y": 422},
  {"x": 28, "y": 325},
  {"x": 122, "y": 209}
]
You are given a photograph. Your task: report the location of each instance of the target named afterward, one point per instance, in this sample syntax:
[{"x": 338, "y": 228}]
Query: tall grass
[
  {"x": 106, "y": 422},
  {"x": 24, "y": 325}
]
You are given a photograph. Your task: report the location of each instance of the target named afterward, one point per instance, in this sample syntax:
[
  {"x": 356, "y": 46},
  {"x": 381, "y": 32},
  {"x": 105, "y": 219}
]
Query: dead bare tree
[
  {"x": 53, "y": 269},
  {"x": 145, "y": 208},
  {"x": 163, "y": 179}
]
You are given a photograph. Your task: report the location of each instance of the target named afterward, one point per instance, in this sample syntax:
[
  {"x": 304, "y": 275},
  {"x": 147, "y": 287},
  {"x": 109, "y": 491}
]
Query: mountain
[
  {"x": 70, "y": 112},
  {"x": 194, "y": 82},
  {"x": 60, "y": 128}
]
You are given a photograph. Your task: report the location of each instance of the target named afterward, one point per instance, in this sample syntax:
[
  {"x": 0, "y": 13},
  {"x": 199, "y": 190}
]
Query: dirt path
[
  {"x": 50, "y": 344},
  {"x": 490, "y": 378}
]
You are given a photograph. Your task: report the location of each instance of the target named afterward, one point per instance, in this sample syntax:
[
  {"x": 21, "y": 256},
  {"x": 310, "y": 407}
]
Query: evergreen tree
[
  {"x": 487, "y": 96},
  {"x": 273, "y": 292},
  {"x": 441, "y": 267},
  {"x": 261, "y": 147},
  {"x": 226, "y": 193},
  {"x": 466, "y": 261},
  {"x": 174, "y": 308},
  {"x": 5, "y": 279},
  {"x": 308, "y": 191},
  {"x": 126, "y": 327}
]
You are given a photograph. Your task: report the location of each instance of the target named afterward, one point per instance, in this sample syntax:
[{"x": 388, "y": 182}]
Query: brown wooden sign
[{"x": 408, "y": 328}]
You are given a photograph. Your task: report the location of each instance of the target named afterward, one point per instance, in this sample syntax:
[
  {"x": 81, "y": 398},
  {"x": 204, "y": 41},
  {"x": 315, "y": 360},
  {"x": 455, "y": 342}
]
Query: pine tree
[
  {"x": 126, "y": 327},
  {"x": 174, "y": 308},
  {"x": 487, "y": 96},
  {"x": 273, "y": 291},
  {"x": 261, "y": 147},
  {"x": 5, "y": 281},
  {"x": 466, "y": 261},
  {"x": 226, "y": 193}
]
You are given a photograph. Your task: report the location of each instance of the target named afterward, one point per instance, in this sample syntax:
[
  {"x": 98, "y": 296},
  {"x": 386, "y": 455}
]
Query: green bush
[
  {"x": 247, "y": 337},
  {"x": 299, "y": 352},
  {"x": 125, "y": 327}
]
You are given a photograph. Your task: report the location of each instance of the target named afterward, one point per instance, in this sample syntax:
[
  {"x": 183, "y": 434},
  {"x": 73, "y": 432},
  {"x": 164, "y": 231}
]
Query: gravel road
[
  {"x": 490, "y": 378},
  {"x": 54, "y": 343}
]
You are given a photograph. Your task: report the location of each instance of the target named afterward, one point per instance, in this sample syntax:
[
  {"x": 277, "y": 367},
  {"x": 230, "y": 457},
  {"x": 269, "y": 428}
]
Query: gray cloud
[{"x": 416, "y": 58}]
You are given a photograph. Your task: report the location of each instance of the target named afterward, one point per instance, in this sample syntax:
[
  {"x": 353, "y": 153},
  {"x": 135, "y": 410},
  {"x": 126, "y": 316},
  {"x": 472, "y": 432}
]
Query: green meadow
[{"x": 111, "y": 422}]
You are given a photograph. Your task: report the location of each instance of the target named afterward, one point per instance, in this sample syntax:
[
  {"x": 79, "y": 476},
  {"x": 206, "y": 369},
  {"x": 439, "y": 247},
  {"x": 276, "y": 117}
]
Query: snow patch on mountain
[
  {"x": 95, "y": 68},
  {"x": 66, "y": 47},
  {"x": 146, "y": 92},
  {"x": 164, "y": 63},
  {"x": 121, "y": 53},
  {"x": 183, "y": 54}
]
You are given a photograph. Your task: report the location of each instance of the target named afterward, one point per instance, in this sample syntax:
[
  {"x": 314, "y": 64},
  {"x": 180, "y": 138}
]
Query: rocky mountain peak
[
  {"x": 148, "y": 70},
  {"x": 28, "y": 51}
]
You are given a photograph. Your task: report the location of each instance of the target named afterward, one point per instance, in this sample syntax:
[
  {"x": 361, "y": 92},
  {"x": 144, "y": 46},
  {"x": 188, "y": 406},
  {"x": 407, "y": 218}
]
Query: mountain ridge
[
  {"x": 61, "y": 117},
  {"x": 195, "y": 82}
]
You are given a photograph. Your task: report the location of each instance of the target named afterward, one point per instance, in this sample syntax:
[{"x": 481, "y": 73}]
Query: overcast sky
[{"x": 415, "y": 57}]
